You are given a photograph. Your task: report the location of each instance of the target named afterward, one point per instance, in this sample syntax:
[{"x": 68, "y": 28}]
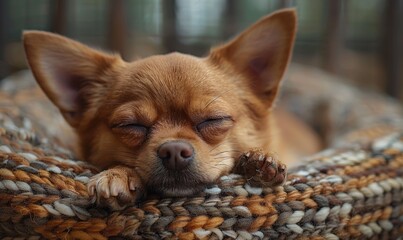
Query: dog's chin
[{"x": 177, "y": 184}]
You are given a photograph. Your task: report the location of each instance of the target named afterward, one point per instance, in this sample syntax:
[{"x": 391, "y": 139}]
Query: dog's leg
[
  {"x": 116, "y": 187},
  {"x": 261, "y": 169}
]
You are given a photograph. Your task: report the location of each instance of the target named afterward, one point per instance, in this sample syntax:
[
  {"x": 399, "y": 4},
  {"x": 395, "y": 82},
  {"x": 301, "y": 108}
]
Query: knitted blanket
[{"x": 353, "y": 190}]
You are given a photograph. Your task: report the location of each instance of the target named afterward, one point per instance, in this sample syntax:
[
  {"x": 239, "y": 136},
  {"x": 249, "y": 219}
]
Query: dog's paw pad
[
  {"x": 262, "y": 169},
  {"x": 114, "y": 188}
]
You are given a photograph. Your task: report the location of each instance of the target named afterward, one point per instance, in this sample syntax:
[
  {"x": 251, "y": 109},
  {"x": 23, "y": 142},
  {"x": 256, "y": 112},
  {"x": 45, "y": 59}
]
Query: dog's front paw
[
  {"x": 262, "y": 169},
  {"x": 115, "y": 188}
]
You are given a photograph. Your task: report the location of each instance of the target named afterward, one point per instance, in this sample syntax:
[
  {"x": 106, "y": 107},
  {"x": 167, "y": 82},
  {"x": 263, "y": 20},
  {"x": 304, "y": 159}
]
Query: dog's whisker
[
  {"x": 222, "y": 164},
  {"x": 224, "y": 160},
  {"x": 217, "y": 97},
  {"x": 223, "y": 156},
  {"x": 228, "y": 151},
  {"x": 220, "y": 145},
  {"x": 214, "y": 148},
  {"x": 219, "y": 158}
]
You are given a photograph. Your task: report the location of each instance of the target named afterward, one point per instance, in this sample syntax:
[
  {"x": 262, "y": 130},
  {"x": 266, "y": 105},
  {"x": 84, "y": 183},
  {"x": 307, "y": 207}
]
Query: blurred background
[{"x": 361, "y": 41}]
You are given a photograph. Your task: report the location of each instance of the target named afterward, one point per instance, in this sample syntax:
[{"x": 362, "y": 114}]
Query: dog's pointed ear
[
  {"x": 261, "y": 53},
  {"x": 71, "y": 74}
]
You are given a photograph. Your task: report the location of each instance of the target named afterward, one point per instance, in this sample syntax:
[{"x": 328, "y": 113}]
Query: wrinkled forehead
[{"x": 173, "y": 79}]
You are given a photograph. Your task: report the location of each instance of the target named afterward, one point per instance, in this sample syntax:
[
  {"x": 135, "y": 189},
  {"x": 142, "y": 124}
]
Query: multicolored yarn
[{"x": 353, "y": 191}]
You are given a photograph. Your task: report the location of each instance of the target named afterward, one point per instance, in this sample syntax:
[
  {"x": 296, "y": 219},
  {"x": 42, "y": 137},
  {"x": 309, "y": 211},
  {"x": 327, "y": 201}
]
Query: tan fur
[{"x": 122, "y": 112}]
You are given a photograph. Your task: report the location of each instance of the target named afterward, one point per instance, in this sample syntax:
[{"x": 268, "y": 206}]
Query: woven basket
[{"x": 353, "y": 190}]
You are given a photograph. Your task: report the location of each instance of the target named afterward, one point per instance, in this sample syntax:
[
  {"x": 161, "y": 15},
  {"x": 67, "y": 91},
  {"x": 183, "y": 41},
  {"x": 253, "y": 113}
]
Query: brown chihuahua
[{"x": 174, "y": 123}]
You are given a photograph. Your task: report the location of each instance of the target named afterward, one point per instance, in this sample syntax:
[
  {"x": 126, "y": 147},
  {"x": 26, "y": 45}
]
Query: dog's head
[{"x": 179, "y": 120}]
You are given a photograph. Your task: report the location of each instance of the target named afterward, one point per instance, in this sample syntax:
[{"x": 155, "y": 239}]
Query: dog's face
[{"x": 179, "y": 120}]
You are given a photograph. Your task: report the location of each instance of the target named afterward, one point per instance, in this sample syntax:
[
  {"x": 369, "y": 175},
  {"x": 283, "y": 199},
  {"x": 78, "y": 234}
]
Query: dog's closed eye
[
  {"x": 131, "y": 134},
  {"x": 214, "y": 128}
]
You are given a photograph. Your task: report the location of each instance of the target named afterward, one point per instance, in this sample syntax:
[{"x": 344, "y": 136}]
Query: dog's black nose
[{"x": 175, "y": 155}]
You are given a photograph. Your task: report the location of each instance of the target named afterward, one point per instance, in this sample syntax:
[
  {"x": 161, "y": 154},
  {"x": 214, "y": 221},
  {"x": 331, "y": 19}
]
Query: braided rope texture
[
  {"x": 343, "y": 193},
  {"x": 354, "y": 191}
]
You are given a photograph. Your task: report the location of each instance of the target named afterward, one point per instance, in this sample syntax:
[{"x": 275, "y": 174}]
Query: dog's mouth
[{"x": 177, "y": 184}]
